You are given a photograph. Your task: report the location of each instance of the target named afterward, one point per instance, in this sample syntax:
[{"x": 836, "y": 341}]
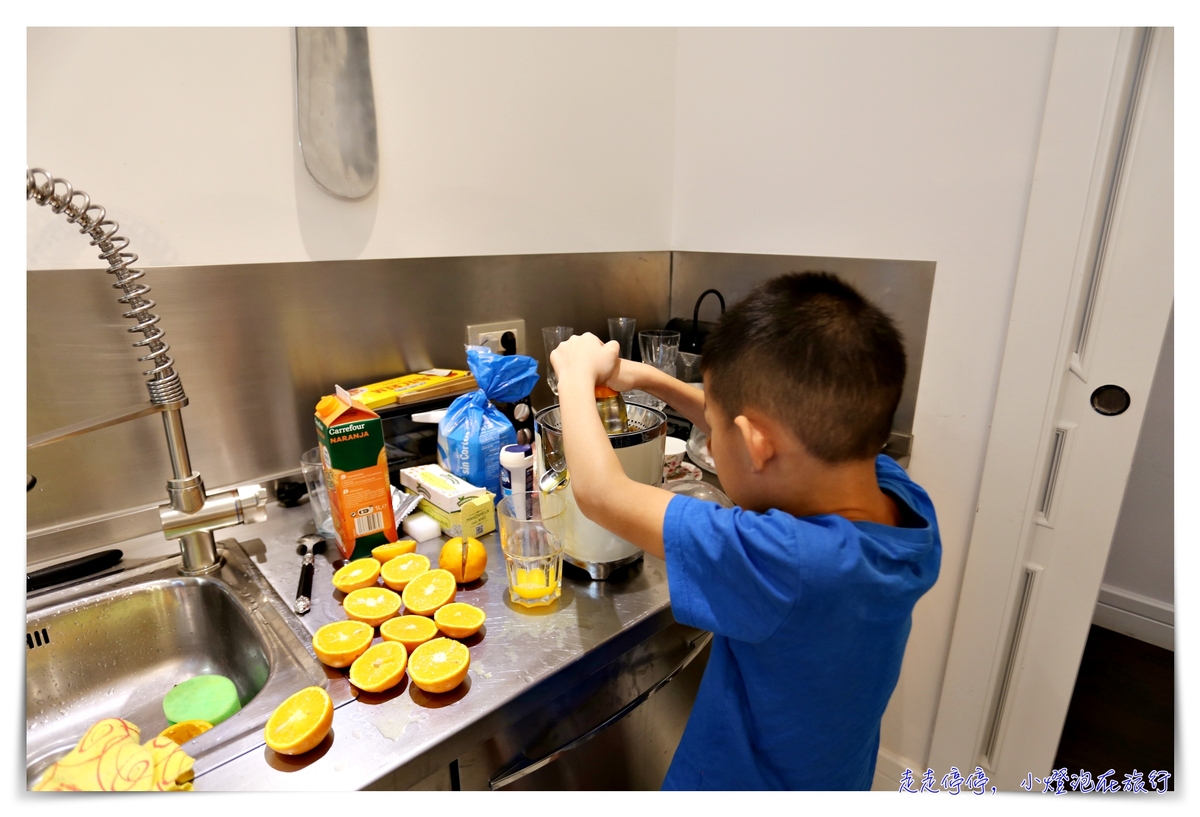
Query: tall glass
[
  {"x": 552, "y": 336},
  {"x": 318, "y": 496},
  {"x": 533, "y": 531},
  {"x": 660, "y": 349},
  {"x": 622, "y": 330}
]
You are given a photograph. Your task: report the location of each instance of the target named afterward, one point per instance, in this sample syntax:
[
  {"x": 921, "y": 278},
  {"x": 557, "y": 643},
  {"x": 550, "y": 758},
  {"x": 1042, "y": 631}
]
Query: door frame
[{"x": 1093, "y": 78}]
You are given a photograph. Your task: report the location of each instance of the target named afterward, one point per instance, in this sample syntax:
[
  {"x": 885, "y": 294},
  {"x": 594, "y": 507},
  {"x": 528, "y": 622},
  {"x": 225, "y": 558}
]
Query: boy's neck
[{"x": 850, "y": 490}]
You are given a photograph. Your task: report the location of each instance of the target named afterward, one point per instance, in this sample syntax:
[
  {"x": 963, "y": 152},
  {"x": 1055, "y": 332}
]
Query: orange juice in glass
[{"x": 532, "y": 535}]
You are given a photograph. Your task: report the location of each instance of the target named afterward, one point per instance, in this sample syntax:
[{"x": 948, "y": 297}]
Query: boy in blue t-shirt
[{"x": 808, "y": 585}]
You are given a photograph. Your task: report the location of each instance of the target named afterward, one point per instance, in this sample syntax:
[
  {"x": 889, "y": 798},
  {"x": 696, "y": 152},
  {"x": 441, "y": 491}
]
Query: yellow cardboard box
[{"x": 412, "y": 388}]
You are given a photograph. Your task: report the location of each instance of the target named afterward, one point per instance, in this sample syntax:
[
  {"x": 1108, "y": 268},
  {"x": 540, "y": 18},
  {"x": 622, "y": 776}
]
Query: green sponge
[{"x": 211, "y": 698}]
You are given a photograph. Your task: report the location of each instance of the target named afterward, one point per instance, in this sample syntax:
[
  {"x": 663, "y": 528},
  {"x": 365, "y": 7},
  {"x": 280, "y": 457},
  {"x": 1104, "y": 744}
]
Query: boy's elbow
[
  {"x": 587, "y": 501},
  {"x": 592, "y": 503}
]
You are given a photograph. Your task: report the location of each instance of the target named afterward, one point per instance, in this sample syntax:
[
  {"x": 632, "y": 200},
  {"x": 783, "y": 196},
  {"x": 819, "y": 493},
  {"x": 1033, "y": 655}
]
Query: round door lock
[{"x": 1110, "y": 400}]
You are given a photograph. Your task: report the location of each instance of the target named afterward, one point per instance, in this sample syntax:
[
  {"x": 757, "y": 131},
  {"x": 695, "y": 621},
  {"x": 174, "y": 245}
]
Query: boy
[{"x": 808, "y": 585}]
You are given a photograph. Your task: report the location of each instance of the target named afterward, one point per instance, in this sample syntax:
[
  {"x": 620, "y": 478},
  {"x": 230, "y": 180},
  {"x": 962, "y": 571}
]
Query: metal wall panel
[
  {"x": 901, "y": 288},
  {"x": 257, "y": 345}
]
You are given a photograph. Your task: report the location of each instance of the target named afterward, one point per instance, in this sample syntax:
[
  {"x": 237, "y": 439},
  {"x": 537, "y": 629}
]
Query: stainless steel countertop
[{"x": 520, "y": 659}]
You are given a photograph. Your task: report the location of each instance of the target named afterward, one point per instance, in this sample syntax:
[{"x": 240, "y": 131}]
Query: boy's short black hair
[{"x": 816, "y": 355}]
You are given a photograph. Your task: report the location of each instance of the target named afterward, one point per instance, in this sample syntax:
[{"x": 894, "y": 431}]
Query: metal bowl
[{"x": 645, "y": 424}]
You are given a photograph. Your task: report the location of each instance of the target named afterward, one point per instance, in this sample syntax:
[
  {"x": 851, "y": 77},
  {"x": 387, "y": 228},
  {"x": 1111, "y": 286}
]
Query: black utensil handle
[
  {"x": 71, "y": 570},
  {"x": 304, "y": 590}
]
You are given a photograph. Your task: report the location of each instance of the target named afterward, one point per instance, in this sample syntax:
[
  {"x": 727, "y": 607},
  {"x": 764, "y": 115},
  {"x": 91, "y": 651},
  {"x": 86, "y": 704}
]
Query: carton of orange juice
[{"x": 356, "y": 474}]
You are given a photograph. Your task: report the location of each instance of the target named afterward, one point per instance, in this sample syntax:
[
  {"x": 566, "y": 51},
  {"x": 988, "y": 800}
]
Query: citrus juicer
[{"x": 640, "y": 451}]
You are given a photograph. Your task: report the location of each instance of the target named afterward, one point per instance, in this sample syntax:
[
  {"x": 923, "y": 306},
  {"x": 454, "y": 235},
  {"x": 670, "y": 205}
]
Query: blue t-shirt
[{"x": 810, "y": 616}]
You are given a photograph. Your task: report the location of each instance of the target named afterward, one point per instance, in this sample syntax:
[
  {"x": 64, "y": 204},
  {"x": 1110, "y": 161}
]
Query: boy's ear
[{"x": 760, "y": 448}]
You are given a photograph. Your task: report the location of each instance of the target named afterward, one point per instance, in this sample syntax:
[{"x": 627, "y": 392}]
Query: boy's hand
[
  {"x": 624, "y": 376},
  {"x": 586, "y": 357}
]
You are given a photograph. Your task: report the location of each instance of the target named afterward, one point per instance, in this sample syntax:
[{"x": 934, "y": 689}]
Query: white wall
[
  {"x": 491, "y": 141},
  {"x": 1143, "y": 553},
  {"x": 902, "y": 143},
  {"x": 1139, "y": 579}
]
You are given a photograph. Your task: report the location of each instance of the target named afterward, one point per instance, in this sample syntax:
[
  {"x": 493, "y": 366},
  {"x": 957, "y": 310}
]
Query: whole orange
[{"x": 464, "y": 557}]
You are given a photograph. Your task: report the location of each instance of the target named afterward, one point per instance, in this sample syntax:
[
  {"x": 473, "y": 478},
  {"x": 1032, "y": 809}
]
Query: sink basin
[{"x": 114, "y": 647}]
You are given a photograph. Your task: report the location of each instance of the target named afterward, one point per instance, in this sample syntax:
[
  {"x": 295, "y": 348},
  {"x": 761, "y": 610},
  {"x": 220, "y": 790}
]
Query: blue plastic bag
[{"x": 473, "y": 431}]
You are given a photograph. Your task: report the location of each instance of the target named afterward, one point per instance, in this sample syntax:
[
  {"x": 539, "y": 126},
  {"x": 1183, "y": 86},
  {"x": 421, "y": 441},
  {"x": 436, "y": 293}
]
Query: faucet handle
[
  {"x": 252, "y": 504},
  {"x": 194, "y": 530}
]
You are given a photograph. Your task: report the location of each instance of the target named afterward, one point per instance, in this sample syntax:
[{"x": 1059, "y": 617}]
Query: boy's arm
[
  {"x": 687, "y": 400},
  {"x": 605, "y": 495}
]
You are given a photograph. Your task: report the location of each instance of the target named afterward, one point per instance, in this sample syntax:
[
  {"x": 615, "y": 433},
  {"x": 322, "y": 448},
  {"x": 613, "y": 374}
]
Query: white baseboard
[
  {"x": 889, "y": 768},
  {"x": 1135, "y": 615}
]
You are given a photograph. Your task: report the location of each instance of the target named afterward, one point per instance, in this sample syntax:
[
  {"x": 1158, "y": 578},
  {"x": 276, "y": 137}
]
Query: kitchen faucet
[{"x": 192, "y": 514}]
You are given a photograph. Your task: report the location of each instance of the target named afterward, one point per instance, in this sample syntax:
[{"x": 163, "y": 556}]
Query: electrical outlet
[{"x": 489, "y": 334}]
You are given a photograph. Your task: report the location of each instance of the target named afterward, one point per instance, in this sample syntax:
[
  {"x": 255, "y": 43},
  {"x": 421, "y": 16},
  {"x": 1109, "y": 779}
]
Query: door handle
[{"x": 523, "y": 766}]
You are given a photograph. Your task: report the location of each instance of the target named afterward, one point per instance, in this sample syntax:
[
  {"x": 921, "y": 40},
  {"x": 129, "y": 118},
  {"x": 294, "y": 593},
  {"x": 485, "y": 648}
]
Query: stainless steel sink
[{"x": 114, "y": 647}]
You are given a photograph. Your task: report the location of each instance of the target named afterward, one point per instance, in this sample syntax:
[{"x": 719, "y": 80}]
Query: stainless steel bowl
[{"x": 645, "y": 424}]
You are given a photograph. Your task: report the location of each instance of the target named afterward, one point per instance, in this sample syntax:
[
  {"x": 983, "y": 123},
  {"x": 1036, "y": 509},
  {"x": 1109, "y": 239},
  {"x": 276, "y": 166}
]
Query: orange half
[
  {"x": 371, "y": 605},
  {"x": 356, "y": 575},
  {"x": 339, "y": 643},
  {"x": 411, "y": 631},
  {"x": 429, "y": 591},
  {"x": 379, "y": 668},
  {"x": 459, "y": 620},
  {"x": 184, "y": 731},
  {"x": 300, "y": 723},
  {"x": 400, "y": 570},
  {"x": 439, "y": 665},
  {"x": 385, "y": 553}
]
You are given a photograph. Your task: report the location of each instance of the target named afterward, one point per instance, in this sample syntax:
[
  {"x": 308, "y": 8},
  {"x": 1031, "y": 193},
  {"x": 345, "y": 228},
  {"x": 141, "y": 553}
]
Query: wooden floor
[{"x": 1122, "y": 713}]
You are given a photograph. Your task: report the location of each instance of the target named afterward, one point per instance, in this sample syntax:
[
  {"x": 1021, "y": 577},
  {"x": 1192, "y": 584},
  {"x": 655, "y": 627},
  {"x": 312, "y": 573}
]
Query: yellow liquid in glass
[{"x": 533, "y": 583}]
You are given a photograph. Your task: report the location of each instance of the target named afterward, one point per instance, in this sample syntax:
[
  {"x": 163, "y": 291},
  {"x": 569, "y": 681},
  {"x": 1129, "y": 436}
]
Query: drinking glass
[
  {"x": 660, "y": 348},
  {"x": 318, "y": 496},
  {"x": 532, "y": 534},
  {"x": 552, "y": 336},
  {"x": 621, "y": 330},
  {"x": 689, "y": 368}
]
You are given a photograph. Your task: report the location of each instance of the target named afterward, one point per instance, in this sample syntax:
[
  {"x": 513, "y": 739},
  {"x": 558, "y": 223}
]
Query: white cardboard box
[{"x": 439, "y": 486}]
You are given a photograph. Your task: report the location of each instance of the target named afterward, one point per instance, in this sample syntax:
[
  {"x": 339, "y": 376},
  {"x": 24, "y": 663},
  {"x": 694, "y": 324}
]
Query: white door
[{"x": 1093, "y": 295}]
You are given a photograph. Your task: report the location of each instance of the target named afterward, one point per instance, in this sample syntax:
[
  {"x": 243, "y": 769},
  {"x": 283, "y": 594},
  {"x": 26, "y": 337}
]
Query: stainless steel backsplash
[
  {"x": 257, "y": 345},
  {"x": 903, "y": 289}
]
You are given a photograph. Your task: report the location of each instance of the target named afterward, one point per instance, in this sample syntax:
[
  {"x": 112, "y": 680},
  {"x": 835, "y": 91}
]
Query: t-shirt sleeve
[{"x": 730, "y": 571}]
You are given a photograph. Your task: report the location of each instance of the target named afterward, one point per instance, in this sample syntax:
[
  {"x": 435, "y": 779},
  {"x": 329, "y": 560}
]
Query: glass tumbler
[
  {"x": 533, "y": 530},
  {"x": 318, "y": 496},
  {"x": 660, "y": 349},
  {"x": 622, "y": 330},
  {"x": 552, "y": 336}
]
